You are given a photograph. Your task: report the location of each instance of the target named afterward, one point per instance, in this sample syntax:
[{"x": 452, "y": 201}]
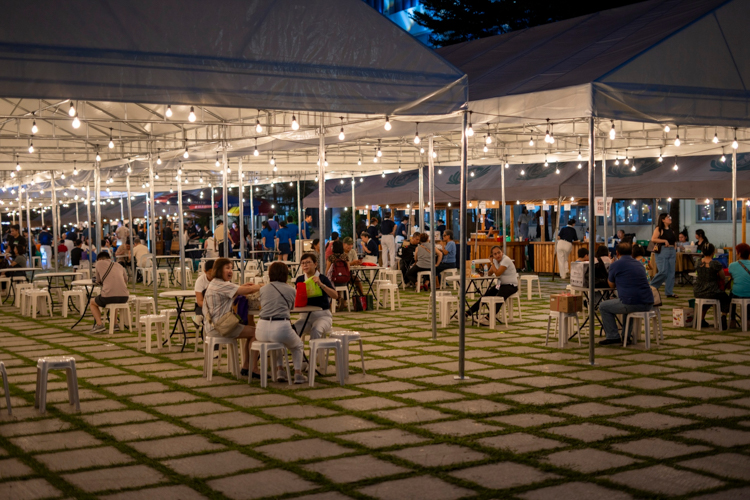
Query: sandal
[{"x": 673, "y": 296}]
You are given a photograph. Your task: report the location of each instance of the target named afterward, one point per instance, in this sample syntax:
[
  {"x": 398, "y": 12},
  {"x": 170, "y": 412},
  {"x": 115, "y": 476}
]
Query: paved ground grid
[{"x": 531, "y": 422}]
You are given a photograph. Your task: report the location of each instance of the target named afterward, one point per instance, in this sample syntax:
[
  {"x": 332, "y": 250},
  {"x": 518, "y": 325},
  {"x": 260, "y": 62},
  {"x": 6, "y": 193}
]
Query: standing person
[
  {"x": 740, "y": 272},
  {"x": 634, "y": 293},
  {"x": 166, "y": 236},
  {"x": 273, "y": 223},
  {"x": 664, "y": 239},
  {"x": 523, "y": 224},
  {"x": 710, "y": 274},
  {"x": 277, "y": 302},
  {"x": 234, "y": 235},
  {"x": 307, "y": 228},
  {"x": 16, "y": 238},
  {"x": 329, "y": 245},
  {"x": 507, "y": 284},
  {"x": 123, "y": 233},
  {"x": 45, "y": 240},
  {"x": 388, "y": 240},
  {"x": 219, "y": 236},
  {"x": 374, "y": 230},
  {"x": 218, "y": 301},
  {"x": 369, "y": 248},
  {"x": 440, "y": 226},
  {"x": 565, "y": 241},
  {"x": 114, "y": 289},
  {"x": 285, "y": 241},
  {"x": 317, "y": 323},
  {"x": 268, "y": 240}
]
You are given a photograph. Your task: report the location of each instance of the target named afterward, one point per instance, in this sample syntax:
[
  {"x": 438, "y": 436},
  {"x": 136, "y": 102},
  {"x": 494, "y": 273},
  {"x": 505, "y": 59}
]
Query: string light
[
  {"x": 295, "y": 125},
  {"x": 98, "y": 157},
  {"x": 130, "y": 170},
  {"x": 158, "y": 157},
  {"x": 735, "y": 144},
  {"x": 677, "y": 141},
  {"x": 488, "y": 139},
  {"x": 76, "y": 122},
  {"x": 359, "y": 162},
  {"x": 72, "y": 110},
  {"x": 18, "y": 163},
  {"x": 723, "y": 157},
  {"x": 217, "y": 160},
  {"x": 258, "y": 127},
  {"x": 34, "y": 128},
  {"x": 547, "y": 135},
  {"x": 168, "y": 113},
  {"x": 612, "y": 132},
  {"x": 469, "y": 129},
  {"x": 341, "y": 134},
  {"x": 627, "y": 161},
  {"x": 75, "y": 168},
  {"x": 675, "y": 167},
  {"x": 191, "y": 116},
  {"x": 31, "y": 145},
  {"x": 716, "y": 138},
  {"x": 531, "y": 141},
  {"x": 186, "y": 154},
  {"x": 617, "y": 158},
  {"x": 546, "y": 164},
  {"x": 666, "y": 128},
  {"x": 387, "y": 124},
  {"x": 417, "y": 140}
]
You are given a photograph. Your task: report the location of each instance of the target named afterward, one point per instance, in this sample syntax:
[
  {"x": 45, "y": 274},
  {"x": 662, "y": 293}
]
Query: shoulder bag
[
  {"x": 653, "y": 246},
  {"x": 224, "y": 325}
]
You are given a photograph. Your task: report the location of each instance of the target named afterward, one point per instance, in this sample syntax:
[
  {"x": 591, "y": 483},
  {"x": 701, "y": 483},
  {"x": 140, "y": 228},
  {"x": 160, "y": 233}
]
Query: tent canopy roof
[{"x": 235, "y": 53}]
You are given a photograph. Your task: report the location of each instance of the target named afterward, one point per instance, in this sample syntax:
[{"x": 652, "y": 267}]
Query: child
[{"x": 583, "y": 255}]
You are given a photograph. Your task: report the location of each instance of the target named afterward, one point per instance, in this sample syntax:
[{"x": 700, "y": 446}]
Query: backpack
[{"x": 339, "y": 272}]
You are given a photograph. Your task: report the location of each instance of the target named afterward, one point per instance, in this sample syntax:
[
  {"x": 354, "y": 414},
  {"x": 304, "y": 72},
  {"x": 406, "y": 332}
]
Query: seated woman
[
  {"x": 707, "y": 285},
  {"x": 201, "y": 285},
  {"x": 422, "y": 260},
  {"x": 702, "y": 241},
  {"x": 218, "y": 301},
  {"x": 276, "y": 302},
  {"x": 740, "y": 272},
  {"x": 113, "y": 279},
  {"x": 337, "y": 266},
  {"x": 507, "y": 284}
]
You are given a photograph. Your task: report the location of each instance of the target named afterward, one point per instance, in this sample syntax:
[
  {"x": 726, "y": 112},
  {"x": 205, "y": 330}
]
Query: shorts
[
  {"x": 104, "y": 301},
  {"x": 285, "y": 248}
]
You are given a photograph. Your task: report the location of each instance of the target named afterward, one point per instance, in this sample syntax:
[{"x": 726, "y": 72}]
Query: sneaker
[
  {"x": 116, "y": 328},
  {"x": 281, "y": 376},
  {"x": 97, "y": 329},
  {"x": 300, "y": 379},
  {"x": 704, "y": 324},
  {"x": 610, "y": 342},
  {"x": 245, "y": 372}
]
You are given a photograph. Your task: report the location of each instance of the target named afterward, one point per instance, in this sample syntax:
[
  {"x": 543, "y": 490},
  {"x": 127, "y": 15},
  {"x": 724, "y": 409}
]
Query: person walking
[
  {"x": 388, "y": 241},
  {"x": 45, "y": 240},
  {"x": 565, "y": 240},
  {"x": 166, "y": 236},
  {"x": 663, "y": 241}
]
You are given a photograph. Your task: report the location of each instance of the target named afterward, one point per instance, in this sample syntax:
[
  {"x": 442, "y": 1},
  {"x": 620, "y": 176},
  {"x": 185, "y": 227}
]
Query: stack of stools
[
  {"x": 43, "y": 367},
  {"x": 346, "y": 338}
]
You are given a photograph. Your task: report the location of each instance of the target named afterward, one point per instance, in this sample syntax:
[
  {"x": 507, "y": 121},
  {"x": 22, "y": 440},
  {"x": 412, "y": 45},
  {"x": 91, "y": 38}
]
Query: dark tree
[{"x": 454, "y": 21}]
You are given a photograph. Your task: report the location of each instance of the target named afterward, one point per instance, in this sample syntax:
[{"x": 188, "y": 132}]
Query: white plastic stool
[
  {"x": 147, "y": 321},
  {"x": 5, "y": 387},
  {"x": 445, "y": 301},
  {"x": 169, "y": 313},
  {"x": 84, "y": 272},
  {"x": 20, "y": 287},
  {"x": 188, "y": 276},
  {"x": 529, "y": 279},
  {"x": 492, "y": 303},
  {"x": 445, "y": 274},
  {"x": 5, "y": 284},
  {"x": 509, "y": 301},
  {"x": 43, "y": 366},
  {"x": 562, "y": 320},
  {"x": 315, "y": 345},
  {"x": 645, "y": 317},
  {"x": 165, "y": 273},
  {"x": 36, "y": 262},
  {"x": 233, "y": 365},
  {"x": 37, "y": 296},
  {"x": 343, "y": 290},
  {"x": 124, "y": 309},
  {"x": 346, "y": 338},
  {"x": 420, "y": 275},
  {"x": 78, "y": 296},
  {"x": 394, "y": 275},
  {"x": 139, "y": 303},
  {"x": 264, "y": 349},
  {"x": 388, "y": 290},
  {"x": 699, "y": 304},
  {"x": 743, "y": 305}
]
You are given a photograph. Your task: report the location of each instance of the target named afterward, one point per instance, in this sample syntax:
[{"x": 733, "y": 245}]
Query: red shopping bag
[{"x": 300, "y": 300}]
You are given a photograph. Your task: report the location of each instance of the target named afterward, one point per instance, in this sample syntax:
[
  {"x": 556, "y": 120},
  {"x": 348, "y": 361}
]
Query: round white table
[
  {"x": 180, "y": 296},
  {"x": 11, "y": 290}
]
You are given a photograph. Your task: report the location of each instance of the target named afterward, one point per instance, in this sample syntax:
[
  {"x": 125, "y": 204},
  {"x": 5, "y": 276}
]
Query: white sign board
[
  {"x": 545, "y": 207},
  {"x": 566, "y": 207},
  {"x": 483, "y": 205},
  {"x": 599, "y": 206},
  {"x": 530, "y": 207}
]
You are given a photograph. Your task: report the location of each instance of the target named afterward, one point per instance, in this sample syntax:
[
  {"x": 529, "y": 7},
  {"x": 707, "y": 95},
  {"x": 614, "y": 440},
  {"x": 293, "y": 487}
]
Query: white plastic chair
[
  {"x": 699, "y": 304},
  {"x": 264, "y": 349},
  {"x": 492, "y": 303},
  {"x": 43, "y": 367},
  {"x": 5, "y": 387}
]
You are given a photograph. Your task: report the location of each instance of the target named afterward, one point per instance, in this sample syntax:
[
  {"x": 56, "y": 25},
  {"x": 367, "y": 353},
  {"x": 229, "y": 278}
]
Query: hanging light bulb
[
  {"x": 507, "y": 165},
  {"x": 179, "y": 170},
  {"x": 72, "y": 110},
  {"x": 580, "y": 157},
  {"x": 661, "y": 158},
  {"x": 557, "y": 171},
  {"x": 200, "y": 180},
  {"x": 735, "y": 144},
  {"x": 421, "y": 151},
  {"x": 669, "y": 199},
  {"x": 723, "y": 157},
  {"x": 158, "y": 160},
  {"x": 156, "y": 176},
  {"x": 295, "y": 125},
  {"x": 531, "y": 141},
  {"x": 666, "y": 128},
  {"x": 488, "y": 139},
  {"x": 546, "y": 134},
  {"x": 361, "y": 179},
  {"x": 130, "y": 170},
  {"x": 617, "y": 159},
  {"x": 434, "y": 154},
  {"x": 18, "y": 164},
  {"x": 98, "y": 156},
  {"x": 399, "y": 167},
  {"x": 485, "y": 149},
  {"x": 256, "y": 152},
  {"x": 359, "y": 162},
  {"x": 469, "y": 129},
  {"x": 272, "y": 161},
  {"x": 612, "y": 132},
  {"x": 383, "y": 174},
  {"x": 341, "y": 134},
  {"x": 275, "y": 168},
  {"x": 675, "y": 167},
  {"x": 633, "y": 167},
  {"x": 580, "y": 166},
  {"x": 31, "y": 145},
  {"x": 440, "y": 171},
  {"x": 387, "y": 124},
  {"x": 217, "y": 161},
  {"x": 523, "y": 172},
  {"x": 186, "y": 154},
  {"x": 191, "y": 116},
  {"x": 34, "y": 128},
  {"x": 168, "y": 113},
  {"x": 375, "y": 158},
  {"x": 627, "y": 161},
  {"x": 677, "y": 141},
  {"x": 546, "y": 164},
  {"x": 417, "y": 140},
  {"x": 76, "y": 122},
  {"x": 75, "y": 169},
  {"x": 62, "y": 176},
  {"x": 341, "y": 181},
  {"x": 716, "y": 138}
]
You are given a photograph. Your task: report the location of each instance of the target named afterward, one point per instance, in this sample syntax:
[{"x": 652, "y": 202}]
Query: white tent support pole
[
  {"x": 252, "y": 225},
  {"x": 55, "y": 228},
  {"x": 322, "y": 192},
  {"x": 421, "y": 199},
  {"x": 225, "y": 201},
  {"x": 592, "y": 237},
  {"x": 213, "y": 214},
  {"x": 354, "y": 214},
  {"x": 152, "y": 235},
  {"x": 28, "y": 225},
  {"x": 132, "y": 230},
  {"x": 122, "y": 213},
  {"x": 78, "y": 222},
  {"x": 241, "y": 195},
  {"x": 433, "y": 271},
  {"x": 462, "y": 239},
  {"x": 97, "y": 194},
  {"x": 604, "y": 195},
  {"x": 180, "y": 231},
  {"x": 88, "y": 215},
  {"x": 300, "y": 217},
  {"x": 42, "y": 216},
  {"x": 734, "y": 205},
  {"x": 502, "y": 207}
]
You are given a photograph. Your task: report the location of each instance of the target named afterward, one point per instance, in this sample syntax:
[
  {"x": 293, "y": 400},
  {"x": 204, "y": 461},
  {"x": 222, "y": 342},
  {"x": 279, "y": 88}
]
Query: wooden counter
[
  {"x": 545, "y": 258},
  {"x": 516, "y": 250}
]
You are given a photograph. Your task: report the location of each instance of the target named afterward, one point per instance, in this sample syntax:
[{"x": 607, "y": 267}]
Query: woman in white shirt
[
  {"x": 507, "y": 282},
  {"x": 210, "y": 248}
]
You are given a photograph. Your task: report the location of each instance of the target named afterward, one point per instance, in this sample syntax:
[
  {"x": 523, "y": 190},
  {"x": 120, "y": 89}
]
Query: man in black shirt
[
  {"x": 370, "y": 248},
  {"x": 565, "y": 240},
  {"x": 406, "y": 252},
  {"x": 441, "y": 226},
  {"x": 388, "y": 241},
  {"x": 76, "y": 253},
  {"x": 16, "y": 239}
]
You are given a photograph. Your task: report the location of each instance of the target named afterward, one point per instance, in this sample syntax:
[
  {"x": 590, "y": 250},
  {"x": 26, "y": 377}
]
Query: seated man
[
  {"x": 370, "y": 248},
  {"x": 76, "y": 254},
  {"x": 122, "y": 255},
  {"x": 406, "y": 252},
  {"x": 139, "y": 250},
  {"x": 583, "y": 255},
  {"x": 114, "y": 282},
  {"x": 507, "y": 284},
  {"x": 633, "y": 290}
]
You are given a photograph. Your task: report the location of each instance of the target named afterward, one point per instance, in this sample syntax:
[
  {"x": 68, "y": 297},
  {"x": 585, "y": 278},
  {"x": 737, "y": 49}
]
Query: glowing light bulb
[
  {"x": 158, "y": 160},
  {"x": 295, "y": 125},
  {"x": 361, "y": 179},
  {"x": 76, "y": 122},
  {"x": 669, "y": 199},
  {"x": 272, "y": 161},
  {"x": 258, "y": 127},
  {"x": 580, "y": 166},
  {"x": 382, "y": 175},
  {"x": 633, "y": 167},
  {"x": 72, "y": 110},
  {"x": 186, "y": 154},
  {"x": 387, "y": 124},
  {"x": 666, "y": 128},
  {"x": 417, "y": 140},
  {"x": 75, "y": 170},
  {"x": 677, "y": 141},
  {"x": 735, "y": 144},
  {"x": 379, "y": 153},
  {"x": 18, "y": 166},
  {"x": 557, "y": 171},
  {"x": 34, "y": 128},
  {"x": 661, "y": 158},
  {"x": 421, "y": 151},
  {"x": 488, "y": 139},
  {"x": 470, "y": 131},
  {"x": 546, "y": 136},
  {"x": 434, "y": 154},
  {"x": 374, "y": 159},
  {"x": 31, "y": 147},
  {"x": 169, "y": 111},
  {"x": 341, "y": 134},
  {"x": 485, "y": 149},
  {"x": 191, "y": 116},
  {"x": 531, "y": 141},
  {"x": 627, "y": 161},
  {"x": 156, "y": 176},
  {"x": 723, "y": 158},
  {"x": 256, "y": 152},
  {"x": 612, "y": 132},
  {"x": 579, "y": 156},
  {"x": 359, "y": 162},
  {"x": 675, "y": 167},
  {"x": 98, "y": 157},
  {"x": 523, "y": 172},
  {"x": 217, "y": 162},
  {"x": 130, "y": 170},
  {"x": 716, "y": 138}
]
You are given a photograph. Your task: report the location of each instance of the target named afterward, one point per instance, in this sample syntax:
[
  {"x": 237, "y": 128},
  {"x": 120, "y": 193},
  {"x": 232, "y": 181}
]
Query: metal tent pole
[
  {"x": 421, "y": 199},
  {"x": 604, "y": 195},
  {"x": 213, "y": 214},
  {"x": 252, "y": 223},
  {"x": 241, "y": 189},
  {"x": 28, "y": 223},
  {"x": 225, "y": 201},
  {"x": 462, "y": 270},
  {"x": 734, "y": 205},
  {"x": 433, "y": 272},
  {"x": 322, "y": 191},
  {"x": 132, "y": 230},
  {"x": 180, "y": 232},
  {"x": 354, "y": 213},
  {"x": 122, "y": 212},
  {"x": 92, "y": 253},
  {"x": 300, "y": 218},
  {"x": 55, "y": 229},
  {"x": 502, "y": 206},
  {"x": 152, "y": 217},
  {"x": 78, "y": 222},
  {"x": 97, "y": 194},
  {"x": 592, "y": 236}
]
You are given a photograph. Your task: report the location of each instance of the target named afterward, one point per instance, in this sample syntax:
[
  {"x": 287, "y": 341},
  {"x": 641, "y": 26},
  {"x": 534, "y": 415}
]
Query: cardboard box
[
  {"x": 683, "y": 316},
  {"x": 566, "y": 303}
]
